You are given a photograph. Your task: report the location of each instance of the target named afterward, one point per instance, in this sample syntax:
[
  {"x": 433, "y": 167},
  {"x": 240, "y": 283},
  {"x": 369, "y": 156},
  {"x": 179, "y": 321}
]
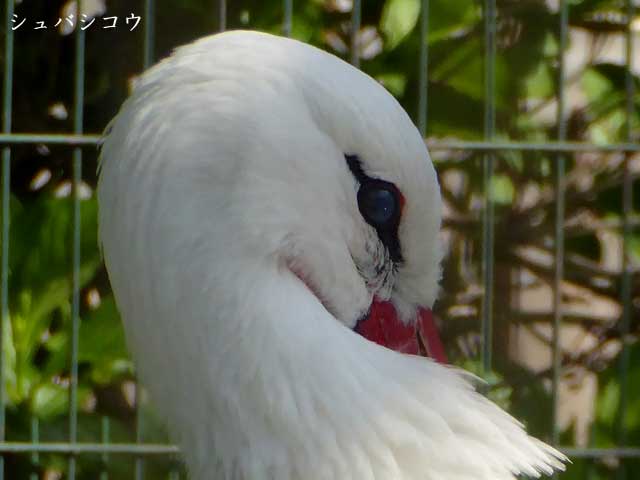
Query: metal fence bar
[
  {"x": 222, "y": 15},
  {"x": 627, "y": 211},
  {"x": 153, "y": 450},
  {"x": 599, "y": 453},
  {"x": 93, "y": 140},
  {"x": 489, "y": 14},
  {"x": 146, "y": 449},
  {"x": 149, "y": 32},
  {"x": 559, "y": 225},
  {"x": 356, "y": 18},
  {"x": 550, "y": 147},
  {"x": 139, "y": 462},
  {"x": 424, "y": 66},
  {"x": 105, "y": 434},
  {"x": 7, "y": 106},
  {"x": 78, "y": 120},
  {"x": 35, "y": 456},
  {"x": 287, "y": 17},
  {"x": 71, "y": 139}
]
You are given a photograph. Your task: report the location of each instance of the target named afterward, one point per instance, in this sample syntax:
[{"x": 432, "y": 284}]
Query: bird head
[
  {"x": 337, "y": 186},
  {"x": 265, "y": 211}
]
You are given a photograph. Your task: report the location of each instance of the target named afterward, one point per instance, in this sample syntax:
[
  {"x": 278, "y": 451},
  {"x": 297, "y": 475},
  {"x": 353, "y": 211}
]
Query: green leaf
[
  {"x": 595, "y": 84},
  {"x": 41, "y": 265},
  {"x": 102, "y": 343},
  {"x": 447, "y": 18},
  {"x": 609, "y": 416},
  {"x": 399, "y": 18},
  {"x": 540, "y": 83},
  {"x": 49, "y": 400},
  {"x": 463, "y": 70},
  {"x": 608, "y": 402},
  {"x": 499, "y": 392},
  {"x": 8, "y": 357},
  {"x": 394, "y": 82},
  {"x": 502, "y": 189}
]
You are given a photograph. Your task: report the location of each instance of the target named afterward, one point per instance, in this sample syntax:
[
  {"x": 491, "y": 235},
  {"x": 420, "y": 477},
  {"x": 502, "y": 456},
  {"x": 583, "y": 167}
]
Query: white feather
[{"x": 223, "y": 170}]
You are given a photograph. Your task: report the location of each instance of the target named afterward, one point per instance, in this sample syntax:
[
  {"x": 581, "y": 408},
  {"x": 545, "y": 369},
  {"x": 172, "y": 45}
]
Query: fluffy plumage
[{"x": 221, "y": 176}]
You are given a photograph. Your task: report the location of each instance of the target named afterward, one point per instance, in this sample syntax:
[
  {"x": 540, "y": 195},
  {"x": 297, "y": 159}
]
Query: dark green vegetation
[{"x": 601, "y": 106}]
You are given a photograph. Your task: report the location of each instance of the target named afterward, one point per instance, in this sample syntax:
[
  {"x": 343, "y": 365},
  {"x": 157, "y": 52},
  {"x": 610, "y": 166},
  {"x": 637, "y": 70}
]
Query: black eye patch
[{"x": 380, "y": 205}]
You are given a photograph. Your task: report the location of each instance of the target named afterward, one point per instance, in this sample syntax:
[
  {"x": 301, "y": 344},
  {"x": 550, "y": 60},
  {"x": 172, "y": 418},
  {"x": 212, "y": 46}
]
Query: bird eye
[{"x": 378, "y": 203}]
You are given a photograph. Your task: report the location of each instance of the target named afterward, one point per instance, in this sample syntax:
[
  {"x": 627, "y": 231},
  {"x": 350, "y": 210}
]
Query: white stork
[{"x": 269, "y": 218}]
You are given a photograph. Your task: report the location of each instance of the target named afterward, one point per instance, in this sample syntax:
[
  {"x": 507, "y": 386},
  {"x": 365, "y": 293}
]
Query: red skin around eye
[{"x": 382, "y": 326}]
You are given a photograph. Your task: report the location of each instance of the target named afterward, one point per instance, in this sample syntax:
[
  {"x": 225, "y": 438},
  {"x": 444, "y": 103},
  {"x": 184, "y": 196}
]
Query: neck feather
[{"x": 284, "y": 390}]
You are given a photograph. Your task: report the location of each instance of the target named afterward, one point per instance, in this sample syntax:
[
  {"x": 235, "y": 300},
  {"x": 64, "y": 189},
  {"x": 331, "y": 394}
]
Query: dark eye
[{"x": 379, "y": 203}]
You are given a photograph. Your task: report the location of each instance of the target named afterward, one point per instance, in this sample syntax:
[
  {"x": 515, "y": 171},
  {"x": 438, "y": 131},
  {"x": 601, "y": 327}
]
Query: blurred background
[{"x": 531, "y": 111}]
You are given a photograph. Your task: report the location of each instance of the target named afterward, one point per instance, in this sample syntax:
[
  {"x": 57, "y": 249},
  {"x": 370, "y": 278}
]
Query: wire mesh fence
[{"x": 484, "y": 158}]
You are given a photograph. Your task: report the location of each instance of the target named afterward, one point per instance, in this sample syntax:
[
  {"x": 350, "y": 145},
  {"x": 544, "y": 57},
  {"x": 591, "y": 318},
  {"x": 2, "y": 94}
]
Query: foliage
[{"x": 39, "y": 331}]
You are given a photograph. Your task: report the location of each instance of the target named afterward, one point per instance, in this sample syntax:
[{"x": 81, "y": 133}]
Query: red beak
[{"x": 383, "y": 327}]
